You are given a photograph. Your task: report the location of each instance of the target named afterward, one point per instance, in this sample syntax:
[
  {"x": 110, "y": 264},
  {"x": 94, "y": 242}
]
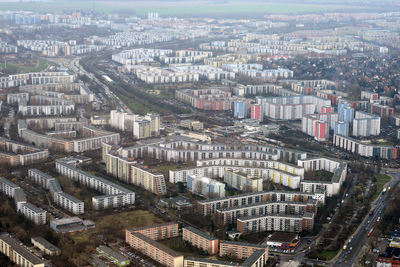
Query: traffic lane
[{"x": 366, "y": 227}]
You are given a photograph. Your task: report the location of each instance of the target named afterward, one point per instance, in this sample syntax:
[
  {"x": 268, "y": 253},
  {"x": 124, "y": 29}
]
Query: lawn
[
  {"x": 113, "y": 226},
  {"x": 327, "y": 255},
  {"x": 19, "y": 68},
  {"x": 178, "y": 245},
  {"x": 381, "y": 180}
]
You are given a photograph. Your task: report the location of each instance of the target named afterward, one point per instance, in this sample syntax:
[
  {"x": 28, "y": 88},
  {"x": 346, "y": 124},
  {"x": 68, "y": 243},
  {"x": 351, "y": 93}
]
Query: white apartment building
[
  {"x": 276, "y": 176},
  {"x": 116, "y": 195},
  {"x": 207, "y": 187},
  {"x": 17, "y": 253},
  {"x": 292, "y": 107},
  {"x": 243, "y": 181},
  {"x": 33, "y": 213},
  {"x": 129, "y": 171},
  {"x": 140, "y": 126},
  {"x": 140, "y": 55},
  {"x": 332, "y": 187},
  {"x": 40, "y": 178},
  {"x": 366, "y": 148},
  {"x": 69, "y": 202},
  {"x": 178, "y": 148},
  {"x": 366, "y": 124}
]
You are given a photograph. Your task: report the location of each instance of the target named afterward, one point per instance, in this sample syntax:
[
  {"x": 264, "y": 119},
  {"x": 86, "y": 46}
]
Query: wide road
[{"x": 357, "y": 241}]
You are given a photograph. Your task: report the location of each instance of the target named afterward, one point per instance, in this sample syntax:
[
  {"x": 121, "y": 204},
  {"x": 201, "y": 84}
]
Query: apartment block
[
  {"x": 16, "y": 153},
  {"x": 257, "y": 259},
  {"x": 156, "y": 232},
  {"x": 292, "y": 107},
  {"x": 40, "y": 178},
  {"x": 158, "y": 252},
  {"x": 211, "y": 206},
  {"x": 140, "y": 126},
  {"x": 17, "y": 253},
  {"x": 276, "y": 176},
  {"x": 8, "y": 188},
  {"x": 33, "y": 213},
  {"x": 115, "y": 195},
  {"x": 92, "y": 138},
  {"x": 366, "y": 148},
  {"x": 365, "y": 124},
  {"x": 179, "y": 148},
  {"x": 276, "y": 223},
  {"x": 230, "y": 215},
  {"x": 69, "y": 202},
  {"x": 131, "y": 172},
  {"x": 243, "y": 182},
  {"x": 240, "y": 250},
  {"x": 332, "y": 187},
  {"x": 200, "y": 240},
  {"x": 205, "y": 186}
]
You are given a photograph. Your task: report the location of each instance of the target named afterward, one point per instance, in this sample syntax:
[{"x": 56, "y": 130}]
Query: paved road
[{"x": 357, "y": 241}]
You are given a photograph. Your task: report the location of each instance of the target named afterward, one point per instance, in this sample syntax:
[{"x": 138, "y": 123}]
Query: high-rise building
[
  {"x": 321, "y": 131},
  {"x": 240, "y": 109},
  {"x": 256, "y": 112},
  {"x": 341, "y": 128},
  {"x": 205, "y": 186},
  {"x": 366, "y": 124}
]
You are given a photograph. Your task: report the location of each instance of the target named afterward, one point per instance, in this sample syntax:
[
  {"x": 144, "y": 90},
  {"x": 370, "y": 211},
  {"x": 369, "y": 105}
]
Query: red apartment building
[
  {"x": 158, "y": 252},
  {"x": 200, "y": 240},
  {"x": 156, "y": 232},
  {"x": 240, "y": 250}
]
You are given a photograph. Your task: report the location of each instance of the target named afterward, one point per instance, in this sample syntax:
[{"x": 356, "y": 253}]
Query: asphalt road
[{"x": 357, "y": 241}]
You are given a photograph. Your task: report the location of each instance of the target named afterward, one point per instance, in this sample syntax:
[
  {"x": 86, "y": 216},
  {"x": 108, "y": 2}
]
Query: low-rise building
[
  {"x": 45, "y": 246},
  {"x": 72, "y": 224}
]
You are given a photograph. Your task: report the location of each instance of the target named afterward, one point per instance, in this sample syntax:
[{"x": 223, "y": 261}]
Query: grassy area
[
  {"x": 113, "y": 226},
  {"x": 182, "y": 8},
  {"x": 134, "y": 105},
  {"x": 178, "y": 245},
  {"x": 327, "y": 255},
  {"x": 19, "y": 68},
  {"x": 320, "y": 175},
  {"x": 381, "y": 180}
]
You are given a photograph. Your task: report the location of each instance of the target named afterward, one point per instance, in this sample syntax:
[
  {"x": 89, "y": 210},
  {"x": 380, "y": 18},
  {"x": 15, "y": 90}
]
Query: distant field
[
  {"x": 11, "y": 67},
  {"x": 186, "y": 8}
]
